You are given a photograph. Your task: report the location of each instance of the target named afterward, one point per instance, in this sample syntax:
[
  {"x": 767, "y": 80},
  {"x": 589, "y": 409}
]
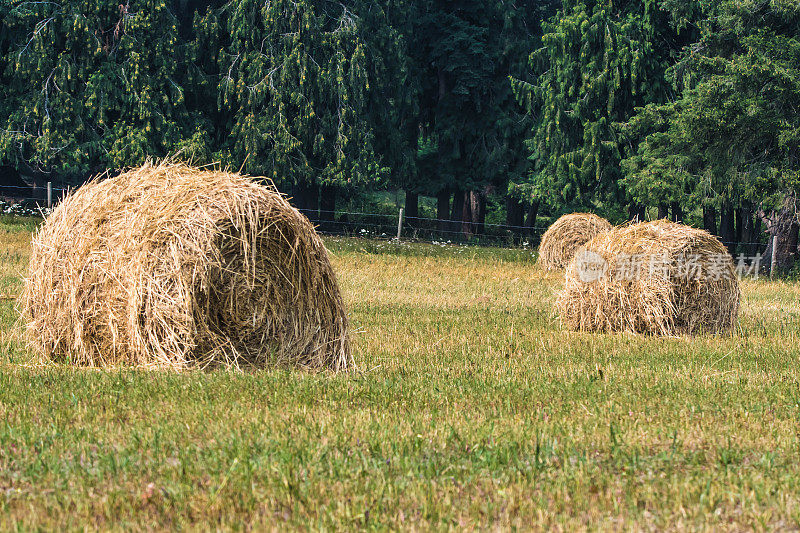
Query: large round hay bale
[
  {"x": 566, "y": 236},
  {"x": 171, "y": 266},
  {"x": 655, "y": 278}
]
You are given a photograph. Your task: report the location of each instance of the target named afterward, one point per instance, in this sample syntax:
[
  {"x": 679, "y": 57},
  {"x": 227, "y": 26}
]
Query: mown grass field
[{"x": 472, "y": 408}]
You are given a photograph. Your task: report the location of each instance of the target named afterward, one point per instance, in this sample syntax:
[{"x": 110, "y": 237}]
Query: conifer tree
[
  {"x": 471, "y": 126},
  {"x": 731, "y": 138},
  {"x": 597, "y": 62},
  {"x": 291, "y": 86},
  {"x": 90, "y": 85}
]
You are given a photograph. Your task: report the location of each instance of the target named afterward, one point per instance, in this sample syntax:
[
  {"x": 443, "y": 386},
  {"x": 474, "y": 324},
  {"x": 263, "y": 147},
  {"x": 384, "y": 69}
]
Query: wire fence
[
  {"x": 32, "y": 201},
  {"x": 423, "y": 229},
  {"x": 20, "y": 191},
  {"x": 43, "y": 196},
  {"x": 439, "y": 231}
]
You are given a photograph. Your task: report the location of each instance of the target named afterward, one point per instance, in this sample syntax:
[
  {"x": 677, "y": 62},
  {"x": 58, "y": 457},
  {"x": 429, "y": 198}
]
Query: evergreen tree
[
  {"x": 599, "y": 60},
  {"x": 291, "y": 83},
  {"x": 730, "y": 141},
  {"x": 5, "y": 43},
  {"x": 392, "y": 106},
  {"x": 90, "y": 85},
  {"x": 471, "y": 127}
]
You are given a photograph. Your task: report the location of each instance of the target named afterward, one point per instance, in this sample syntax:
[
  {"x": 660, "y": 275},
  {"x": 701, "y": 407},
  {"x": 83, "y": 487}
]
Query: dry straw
[
  {"x": 657, "y": 278},
  {"x": 566, "y": 236},
  {"x": 172, "y": 266}
]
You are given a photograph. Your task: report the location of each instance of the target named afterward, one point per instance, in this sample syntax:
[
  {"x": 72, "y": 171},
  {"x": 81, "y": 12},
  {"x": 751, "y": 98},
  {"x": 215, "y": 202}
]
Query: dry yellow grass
[
  {"x": 14, "y": 254},
  {"x": 171, "y": 266},
  {"x": 472, "y": 409}
]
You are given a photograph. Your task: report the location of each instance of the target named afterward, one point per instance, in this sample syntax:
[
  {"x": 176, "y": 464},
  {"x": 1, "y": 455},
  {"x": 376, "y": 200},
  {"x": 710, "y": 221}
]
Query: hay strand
[
  {"x": 565, "y": 237},
  {"x": 172, "y": 266}
]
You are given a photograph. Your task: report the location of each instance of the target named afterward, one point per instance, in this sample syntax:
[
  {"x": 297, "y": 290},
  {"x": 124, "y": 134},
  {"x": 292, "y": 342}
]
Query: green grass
[{"x": 472, "y": 408}]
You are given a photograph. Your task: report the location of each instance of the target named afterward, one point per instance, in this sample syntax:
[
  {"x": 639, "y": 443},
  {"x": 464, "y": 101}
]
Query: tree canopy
[
  {"x": 628, "y": 108},
  {"x": 90, "y": 85}
]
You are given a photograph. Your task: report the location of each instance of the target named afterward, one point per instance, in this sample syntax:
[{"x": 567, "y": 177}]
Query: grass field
[{"x": 472, "y": 408}]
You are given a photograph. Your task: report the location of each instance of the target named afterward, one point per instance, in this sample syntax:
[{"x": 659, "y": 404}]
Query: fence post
[
  {"x": 49, "y": 194},
  {"x": 400, "y": 224},
  {"x": 772, "y": 259}
]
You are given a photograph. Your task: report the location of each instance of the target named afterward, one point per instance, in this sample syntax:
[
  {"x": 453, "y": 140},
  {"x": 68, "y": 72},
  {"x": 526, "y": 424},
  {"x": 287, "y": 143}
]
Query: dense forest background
[{"x": 685, "y": 109}]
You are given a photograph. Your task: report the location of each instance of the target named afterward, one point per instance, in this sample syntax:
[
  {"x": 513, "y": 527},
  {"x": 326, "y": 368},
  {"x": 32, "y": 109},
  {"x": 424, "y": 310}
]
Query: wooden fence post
[
  {"x": 773, "y": 260},
  {"x": 400, "y": 224}
]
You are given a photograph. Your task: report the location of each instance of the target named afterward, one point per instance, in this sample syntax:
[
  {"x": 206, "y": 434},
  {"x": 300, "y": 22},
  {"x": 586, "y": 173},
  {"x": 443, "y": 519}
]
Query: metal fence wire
[
  {"x": 35, "y": 201},
  {"x": 439, "y": 231},
  {"x": 386, "y": 226},
  {"x": 31, "y": 198}
]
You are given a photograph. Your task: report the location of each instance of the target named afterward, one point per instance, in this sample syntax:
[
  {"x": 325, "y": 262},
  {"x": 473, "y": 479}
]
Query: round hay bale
[
  {"x": 656, "y": 277},
  {"x": 171, "y": 266},
  {"x": 566, "y": 236}
]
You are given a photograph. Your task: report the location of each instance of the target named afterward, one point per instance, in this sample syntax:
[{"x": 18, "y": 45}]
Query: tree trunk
[
  {"x": 748, "y": 235},
  {"x": 738, "y": 218},
  {"x": 515, "y": 217},
  {"x": 677, "y": 212},
  {"x": 663, "y": 211},
  {"x": 412, "y": 205},
  {"x": 786, "y": 252},
  {"x": 515, "y": 213},
  {"x": 757, "y": 223},
  {"x": 298, "y": 199},
  {"x": 457, "y": 214},
  {"x": 794, "y": 233},
  {"x": 477, "y": 205},
  {"x": 442, "y": 84},
  {"x": 443, "y": 209},
  {"x": 313, "y": 200},
  {"x": 327, "y": 206},
  {"x": 530, "y": 224},
  {"x": 727, "y": 231},
  {"x": 466, "y": 214},
  {"x": 636, "y": 212},
  {"x": 710, "y": 219},
  {"x": 306, "y": 198},
  {"x": 783, "y": 224}
]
